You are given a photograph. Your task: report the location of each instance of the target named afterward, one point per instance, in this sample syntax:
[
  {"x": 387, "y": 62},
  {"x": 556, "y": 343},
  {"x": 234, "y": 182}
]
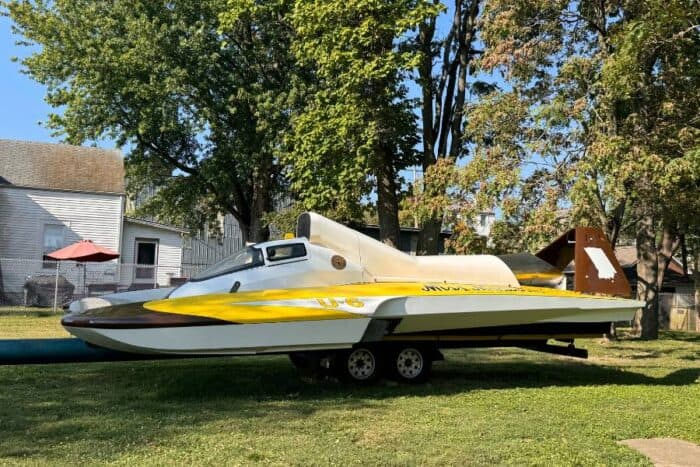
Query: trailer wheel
[
  {"x": 411, "y": 364},
  {"x": 360, "y": 365}
]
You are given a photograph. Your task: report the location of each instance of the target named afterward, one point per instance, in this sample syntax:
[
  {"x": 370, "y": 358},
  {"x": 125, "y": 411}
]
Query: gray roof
[
  {"x": 155, "y": 225},
  {"x": 61, "y": 167}
]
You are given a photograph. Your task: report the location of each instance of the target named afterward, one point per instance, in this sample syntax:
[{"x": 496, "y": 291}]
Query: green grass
[
  {"x": 492, "y": 406},
  {"x": 21, "y": 322}
]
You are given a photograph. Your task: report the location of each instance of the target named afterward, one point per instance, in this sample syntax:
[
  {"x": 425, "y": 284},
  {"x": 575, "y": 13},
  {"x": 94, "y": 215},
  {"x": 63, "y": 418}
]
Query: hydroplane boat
[{"x": 338, "y": 300}]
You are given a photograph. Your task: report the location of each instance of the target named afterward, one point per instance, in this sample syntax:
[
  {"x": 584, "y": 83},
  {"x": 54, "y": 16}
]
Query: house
[
  {"x": 484, "y": 223},
  {"x": 677, "y": 294},
  {"x": 52, "y": 195},
  {"x": 675, "y": 280}
]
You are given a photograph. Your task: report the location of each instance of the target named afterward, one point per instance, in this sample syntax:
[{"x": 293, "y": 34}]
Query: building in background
[
  {"x": 677, "y": 294},
  {"x": 483, "y": 223},
  {"x": 52, "y": 195}
]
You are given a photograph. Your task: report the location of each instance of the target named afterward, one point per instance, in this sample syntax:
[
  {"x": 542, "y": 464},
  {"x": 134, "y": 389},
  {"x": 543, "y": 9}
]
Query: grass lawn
[
  {"x": 481, "y": 407},
  {"x": 16, "y": 322}
]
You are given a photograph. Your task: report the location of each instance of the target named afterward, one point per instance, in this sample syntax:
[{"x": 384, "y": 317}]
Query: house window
[
  {"x": 146, "y": 260},
  {"x": 54, "y": 239}
]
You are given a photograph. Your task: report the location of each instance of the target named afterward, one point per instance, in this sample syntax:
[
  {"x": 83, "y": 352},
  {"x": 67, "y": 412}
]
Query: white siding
[
  {"x": 24, "y": 213},
  {"x": 169, "y": 251}
]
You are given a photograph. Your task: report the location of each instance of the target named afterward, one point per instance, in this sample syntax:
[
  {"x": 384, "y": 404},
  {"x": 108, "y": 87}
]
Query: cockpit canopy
[
  {"x": 252, "y": 257},
  {"x": 244, "y": 259}
]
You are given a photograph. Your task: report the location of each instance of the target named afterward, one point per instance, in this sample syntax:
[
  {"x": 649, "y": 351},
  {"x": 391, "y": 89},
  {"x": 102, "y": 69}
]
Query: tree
[
  {"x": 472, "y": 47},
  {"x": 656, "y": 60},
  {"x": 443, "y": 97},
  {"x": 358, "y": 129},
  {"x": 610, "y": 80},
  {"x": 457, "y": 194},
  {"x": 197, "y": 92}
]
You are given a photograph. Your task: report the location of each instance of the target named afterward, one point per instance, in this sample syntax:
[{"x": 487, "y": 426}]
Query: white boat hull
[
  {"x": 312, "y": 319},
  {"x": 233, "y": 339}
]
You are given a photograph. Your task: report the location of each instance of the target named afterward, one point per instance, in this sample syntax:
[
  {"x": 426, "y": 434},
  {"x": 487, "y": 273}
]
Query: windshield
[{"x": 243, "y": 259}]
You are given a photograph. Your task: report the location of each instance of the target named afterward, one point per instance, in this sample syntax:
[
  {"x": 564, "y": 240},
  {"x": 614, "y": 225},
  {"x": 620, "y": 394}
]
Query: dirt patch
[{"x": 666, "y": 452}]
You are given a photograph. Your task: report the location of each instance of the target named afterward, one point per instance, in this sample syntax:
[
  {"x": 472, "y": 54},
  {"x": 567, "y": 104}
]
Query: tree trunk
[
  {"x": 684, "y": 254},
  {"x": 697, "y": 301},
  {"x": 670, "y": 241},
  {"x": 256, "y": 231},
  {"x": 387, "y": 200},
  {"x": 646, "y": 322},
  {"x": 253, "y": 228},
  {"x": 429, "y": 237},
  {"x": 445, "y": 125}
]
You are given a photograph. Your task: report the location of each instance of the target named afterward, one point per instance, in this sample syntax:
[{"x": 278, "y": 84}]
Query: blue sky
[{"x": 22, "y": 103}]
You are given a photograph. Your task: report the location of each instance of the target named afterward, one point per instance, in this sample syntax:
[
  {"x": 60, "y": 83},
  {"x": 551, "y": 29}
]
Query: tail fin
[{"x": 596, "y": 268}]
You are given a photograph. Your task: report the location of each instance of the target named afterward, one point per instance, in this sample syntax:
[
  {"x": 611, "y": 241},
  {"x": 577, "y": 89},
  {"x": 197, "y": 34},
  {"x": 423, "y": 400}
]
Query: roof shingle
[{"x": 61, "y": 167}]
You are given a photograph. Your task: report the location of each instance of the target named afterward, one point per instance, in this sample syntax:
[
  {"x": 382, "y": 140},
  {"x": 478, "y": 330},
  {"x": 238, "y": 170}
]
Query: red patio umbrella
[
  {"x": 84, "y": 251},
  {"x": 81, "y": 251}
]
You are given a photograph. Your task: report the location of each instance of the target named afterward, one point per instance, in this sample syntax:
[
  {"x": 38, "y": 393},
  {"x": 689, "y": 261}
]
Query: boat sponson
[{"x": 134, "y": 316}]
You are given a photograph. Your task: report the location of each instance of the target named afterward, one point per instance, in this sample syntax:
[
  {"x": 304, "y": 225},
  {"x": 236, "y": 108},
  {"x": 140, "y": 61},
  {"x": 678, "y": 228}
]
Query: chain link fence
[{"x": 54, "y": 284}]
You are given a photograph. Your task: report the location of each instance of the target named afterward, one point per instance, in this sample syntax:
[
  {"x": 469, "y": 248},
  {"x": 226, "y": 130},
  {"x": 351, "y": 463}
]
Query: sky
[{"x": 22, "y": 104}]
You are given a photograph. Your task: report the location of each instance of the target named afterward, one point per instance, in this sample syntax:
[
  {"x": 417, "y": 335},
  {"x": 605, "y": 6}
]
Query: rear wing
[{"x": 596, "y": 270}]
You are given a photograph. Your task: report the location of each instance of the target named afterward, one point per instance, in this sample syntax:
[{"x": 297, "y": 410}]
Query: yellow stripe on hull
[
  {"x": 379, "y": 289},
  {"x": 220, "y": 307},
  {"x": 259, "y": 306}
]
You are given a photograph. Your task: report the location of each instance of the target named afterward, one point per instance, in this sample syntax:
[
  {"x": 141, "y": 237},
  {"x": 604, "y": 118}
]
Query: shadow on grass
[
  {"x": 125, "y": 405},
  {"x": 681, "y": 336},
  {"x": 664, "y": 335},
  {"x": 636, "y": 348}
]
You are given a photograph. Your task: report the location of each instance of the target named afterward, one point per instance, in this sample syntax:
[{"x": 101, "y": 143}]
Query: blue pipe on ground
[{"x": 67, "y": 350}]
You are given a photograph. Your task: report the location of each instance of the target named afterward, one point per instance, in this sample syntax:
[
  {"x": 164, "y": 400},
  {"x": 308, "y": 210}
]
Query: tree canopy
[{"x": 608, "y": 83}]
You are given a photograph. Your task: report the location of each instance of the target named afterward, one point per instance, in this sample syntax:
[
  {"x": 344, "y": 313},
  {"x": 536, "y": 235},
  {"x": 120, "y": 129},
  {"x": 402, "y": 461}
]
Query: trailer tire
[
  {"x": 411, "y": 364},
  {"x": 361, "y": 365}
]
